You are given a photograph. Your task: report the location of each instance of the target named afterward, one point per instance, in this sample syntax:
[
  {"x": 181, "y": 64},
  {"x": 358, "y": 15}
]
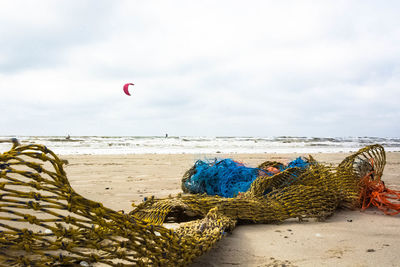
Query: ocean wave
[{"x": 200, "y": 144}]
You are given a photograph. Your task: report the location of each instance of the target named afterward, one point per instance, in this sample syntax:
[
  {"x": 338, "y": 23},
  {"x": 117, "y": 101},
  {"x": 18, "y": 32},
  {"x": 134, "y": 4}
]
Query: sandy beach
[
  {"x": 348, "y": 238},
  {"x": 130, "y": 94}
]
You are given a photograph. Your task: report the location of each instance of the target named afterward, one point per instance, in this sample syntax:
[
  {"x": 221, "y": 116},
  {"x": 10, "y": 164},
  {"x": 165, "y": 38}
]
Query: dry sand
[{"x": 348, "y": 238}]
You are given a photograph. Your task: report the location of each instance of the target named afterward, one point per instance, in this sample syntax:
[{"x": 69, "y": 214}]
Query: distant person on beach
[
  {"x": 68, "y": 137},
  {"x": 166, "y": 135}
]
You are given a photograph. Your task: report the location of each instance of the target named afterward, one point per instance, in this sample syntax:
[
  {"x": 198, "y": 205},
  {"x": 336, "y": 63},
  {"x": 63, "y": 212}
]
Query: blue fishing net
[
  {"x": 298, "y": 162},
  {"x": 226, "y": 177}
]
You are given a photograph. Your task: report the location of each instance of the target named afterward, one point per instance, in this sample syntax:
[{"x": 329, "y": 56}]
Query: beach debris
[
  {"x": 273, "y": 170},
  {"x": 375, "y": 193},
  {"x": 13, "y": 140},
  {"x": 39, "y": 196},
  {"x": 225, "y": 177},
  {"x": 301, "y": 219},
  {"x": 370, "y": 250},
  {"x": 230, "y": 178},
  {"x": 278, "y": 263},
  {"x": 350, "y": 220},
  {"x": 126, "y": 88}
]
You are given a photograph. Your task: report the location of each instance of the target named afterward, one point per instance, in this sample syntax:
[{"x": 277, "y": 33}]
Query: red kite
[{"x": 126, "y": 88}]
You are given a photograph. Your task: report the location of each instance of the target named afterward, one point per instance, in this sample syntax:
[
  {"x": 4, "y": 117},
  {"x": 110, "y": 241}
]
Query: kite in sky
[{"x": 126, "y": 87}]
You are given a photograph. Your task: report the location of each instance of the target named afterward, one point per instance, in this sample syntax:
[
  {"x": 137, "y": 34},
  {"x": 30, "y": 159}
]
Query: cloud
[
  {"x": 38, "y": 35},
  {"x": 201, "y": 68}
]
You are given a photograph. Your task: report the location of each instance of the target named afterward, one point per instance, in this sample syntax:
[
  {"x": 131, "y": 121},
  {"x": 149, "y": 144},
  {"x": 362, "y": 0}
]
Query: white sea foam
[{"x": 199, "y": 144}]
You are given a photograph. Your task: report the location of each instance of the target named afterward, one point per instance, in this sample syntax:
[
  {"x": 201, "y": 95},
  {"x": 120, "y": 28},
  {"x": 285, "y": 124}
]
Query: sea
[{"x": 98, "y": 145}]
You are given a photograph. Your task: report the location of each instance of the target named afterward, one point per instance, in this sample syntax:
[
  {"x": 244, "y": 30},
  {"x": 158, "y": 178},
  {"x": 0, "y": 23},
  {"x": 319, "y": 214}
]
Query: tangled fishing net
[
  {"x": 228, "y": 178},
  {"x": 44, "y": 222}
]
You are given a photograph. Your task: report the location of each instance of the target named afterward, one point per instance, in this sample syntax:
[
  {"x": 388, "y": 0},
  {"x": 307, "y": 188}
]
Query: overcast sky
[{"x": 236, "y": 68}]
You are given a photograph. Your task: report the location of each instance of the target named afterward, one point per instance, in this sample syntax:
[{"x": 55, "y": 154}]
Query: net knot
[
  {"x": 34, "y": 205},
  {"x": 31, "y": 219}
]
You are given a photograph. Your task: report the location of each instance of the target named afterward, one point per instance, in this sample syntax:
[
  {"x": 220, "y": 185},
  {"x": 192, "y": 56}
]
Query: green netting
[{"x": 43, "y": 221}]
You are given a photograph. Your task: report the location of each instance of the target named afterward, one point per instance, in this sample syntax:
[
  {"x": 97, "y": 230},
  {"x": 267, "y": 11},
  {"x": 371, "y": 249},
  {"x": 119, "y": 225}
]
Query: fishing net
[
  {"x": 228, "y": 178},
  {"x": 44, "y": 222}
]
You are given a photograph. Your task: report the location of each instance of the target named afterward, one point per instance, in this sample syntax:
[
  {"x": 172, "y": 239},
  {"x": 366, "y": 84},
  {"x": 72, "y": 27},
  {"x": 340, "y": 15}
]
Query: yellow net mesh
[{"x": 43, "y": 221}]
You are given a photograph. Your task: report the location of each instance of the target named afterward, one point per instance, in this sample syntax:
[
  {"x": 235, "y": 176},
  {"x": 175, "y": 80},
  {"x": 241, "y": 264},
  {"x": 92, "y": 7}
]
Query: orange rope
[{"x": 374, "y": 192}]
